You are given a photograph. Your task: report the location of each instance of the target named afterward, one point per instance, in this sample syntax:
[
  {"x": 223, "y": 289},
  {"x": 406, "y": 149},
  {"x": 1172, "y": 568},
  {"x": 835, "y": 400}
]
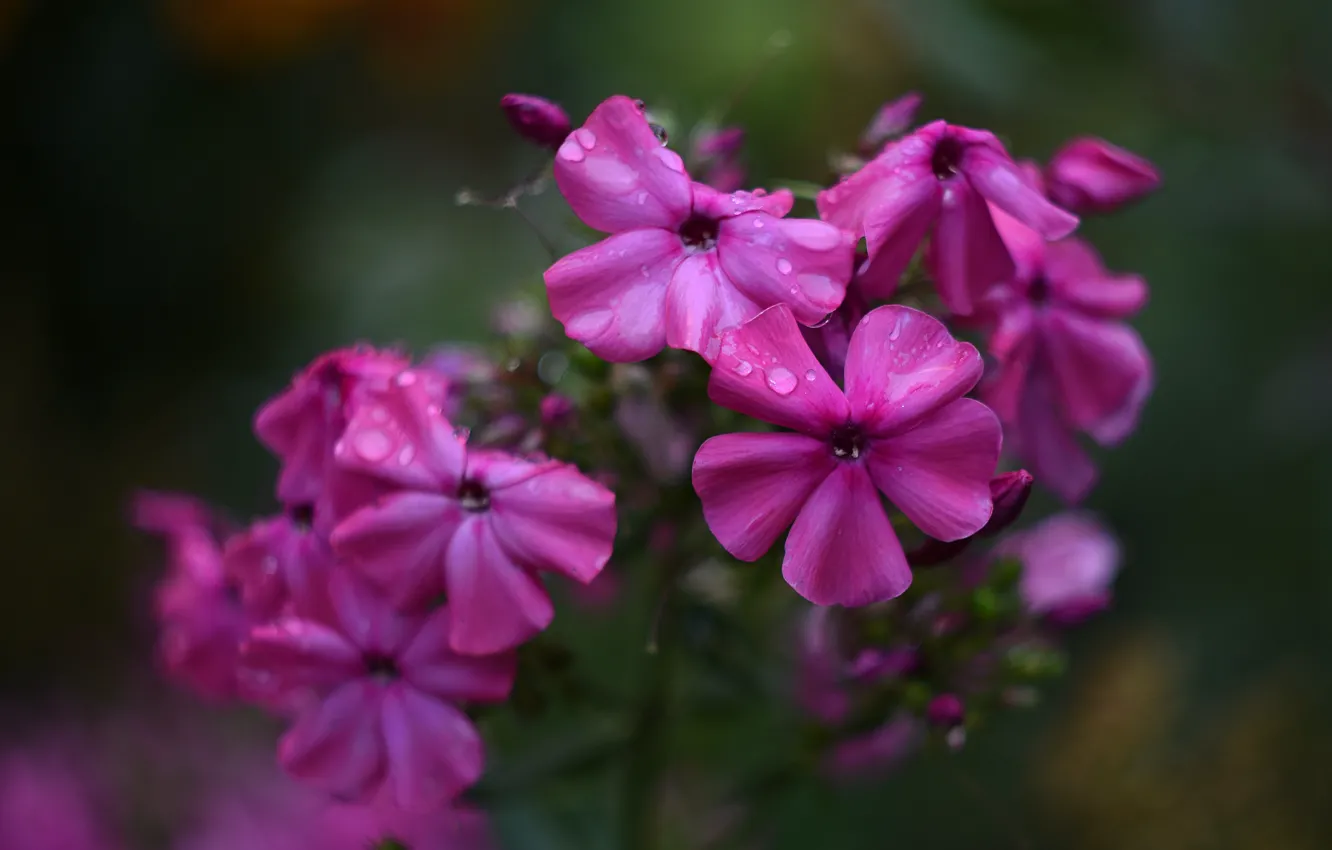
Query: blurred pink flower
[
  {"x": 45, "y": 804},
  {"x": 877, "y": 751},
  {"x": 1090, "y": 175},
  {"x": 716, "y": 153},
  {"x": 902, "y": 427},
  {"x": 540, "y": 121},
  {"x": 280, "y": 565},
  {"x": 1068, "y": 562},
  {"x": 684, "y": 261},
  {"x": 892, "y": 119}
]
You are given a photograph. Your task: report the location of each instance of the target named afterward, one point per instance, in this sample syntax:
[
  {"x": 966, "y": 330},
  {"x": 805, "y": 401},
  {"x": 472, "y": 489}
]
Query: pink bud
[
  {"x": 1009, "y": 492},
  {"x": 892, "y": 119},
  {"x": 1092, "y": 175},
  {"x": 945, "y": 711},
  {"x": 717, "y": 152},
  {"x": 536, "y": 119},
  {"x": 556, "y": 410}
]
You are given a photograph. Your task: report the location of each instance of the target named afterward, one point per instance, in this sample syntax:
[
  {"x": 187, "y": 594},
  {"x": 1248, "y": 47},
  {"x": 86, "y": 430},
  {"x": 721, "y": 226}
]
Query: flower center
[
  {"x": 302, "y": 516},
  {"x": 847, "y": 442},
  {"x": 699, "y": 233},
  {"x": 1038, "y": 291},
  {"x": 379, "y": 666},
  {"x": 473, "y": 497},
  {"x": 947, "y": 158}
]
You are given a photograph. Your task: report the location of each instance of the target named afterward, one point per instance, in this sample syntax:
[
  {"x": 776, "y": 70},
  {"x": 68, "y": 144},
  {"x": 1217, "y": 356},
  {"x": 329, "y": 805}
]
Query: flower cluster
[{"x": 810, "y": 367}]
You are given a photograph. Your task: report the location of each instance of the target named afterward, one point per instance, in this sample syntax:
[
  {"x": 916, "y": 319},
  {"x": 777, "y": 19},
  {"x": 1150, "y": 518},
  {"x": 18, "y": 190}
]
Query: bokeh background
[{"x": 196, "y": 196}]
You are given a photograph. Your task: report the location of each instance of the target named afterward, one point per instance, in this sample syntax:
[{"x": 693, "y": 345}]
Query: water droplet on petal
[
  {"x": 372, "y": 445},
  {"x": 407, "y": 455},
  {"x": 586, "y": 138},
  {"x": 406, "y": 379},
  {"x": 810, "y": 374},
  {"x": 784, "y": 266},
  {"x": 379, "y": 414},
  {"x": 670, "y": 159},
  {"x": 571, "y": 151},
  {"x": 781, "y": 381},
  {"x": 758, "y": 223},
  {"x": 743, "y": 367},
  {"x": 642, "y": 198}
]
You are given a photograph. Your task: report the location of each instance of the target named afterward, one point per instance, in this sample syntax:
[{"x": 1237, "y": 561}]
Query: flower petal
[
  {"x": 903, "y": 364},
  {"x": 842, "y": 550},
  {"x": 894, "y": 231},
  {"x": 1092, "y": 175},
  {"x": 764, "y": 369},
  {"x": 753, "y": 485},
  {"x": 336, "y": 744},
  {"x": 1002, "y": 182},
  {"x": 1097, "y": 365},
  {"x": 939, "y": 473},
  {"x": 496, "y": 604},
  {"x": 800, "y": 262},
  {"x": 616, "y": 175},
  {"x": 966, "y": 255},
  {"x": 399, "y": 436},
  {"x": 297, "y": 655},
  {"x": 559, "y": 520},
  {"x": 366, "y": 617},
  {"x": 1047, "y": 445},
  {"x": 434, "y": 752},
  {"x": 712, "y": 203},
  {"x": 694, "y": 302},
  {"x": 428, "y": 664},
  {"x": 882, "y": 180},
  {"x": 1078, "y": 278},
  {"x": 611, "y": 296},
  {"x": 399, "y": 542}
]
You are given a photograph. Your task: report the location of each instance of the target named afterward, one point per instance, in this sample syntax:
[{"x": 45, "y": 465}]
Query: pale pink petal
[
  {"x": 1000, "y": 181},
  {"x": 1047, "y": 445},
  {"x": 611, "y": 296},
  {"x": 694, "y": 302},
  {"x": 367, "y": 617},
  {"x": 712, "y": 203},
  {"x": 400, "y": 436},
  {"x": 894, "y": 231},
  {"x": 903, "y": 364},
  {"x": 434, "y": 751},
  {"x": 296, "y": 655},
  {"x": 801, "y": 262},
  {"x": 882, "y": 179},
  {"x": 399, "y": 542},
  {"x": 764, "y": 369},
  {"x": 939, "y": 473},
  {"x": 842, "y": 549},
  {"x": 1066, "y": 560},
  {"x": 617, "y": 176},
  {"x": 1096, "y": 365},
  {"x": 753, "y": 485},
  {"x": 430, "y": 665},
  {"x": 496, "y": 604},
  {"x": 966, "y": 255},
  {"x": 559, "y": 520},
  {"x": 1026, "y": 247},
  {"x": 336, "y": 744},
  {"x": 1092, "y": 175},
  {"x": 495, "y": 470},
  {"x": 893, "y": 118}
]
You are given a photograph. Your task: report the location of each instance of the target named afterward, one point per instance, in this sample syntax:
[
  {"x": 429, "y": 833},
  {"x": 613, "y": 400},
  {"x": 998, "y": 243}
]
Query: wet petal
[
  {"x": 429, "y": 664},
  {"x": 1097, "y": 365},
  {"x": 400, "y": 436},
  {"x": 882, "y": 180},
  {"x": 296, "y": 655},
  {"x": 1092, "y": 175},
  {"x": 1078, "y": 278},
  {"x": 694, "y": 302},
  {"x": 336, "y": 744},
  {"x": 496, "y": 604},
  {"x": 434, "y": 752},
  {"x": 559, "y": 520},
  {"x": 966, "y": 255},
  {"x": 803, "y": 263},
  {"x": 1047, "y": 445},
  {"x": 1002, "y": 182},
  {"x": 399, "y": 542},
  {"x": 894, "y": 231},
  {"x": 366, "y": 616}
]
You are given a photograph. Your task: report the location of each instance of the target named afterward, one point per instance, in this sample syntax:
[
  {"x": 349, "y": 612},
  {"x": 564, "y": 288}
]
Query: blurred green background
[{"x": 196, "y": 196}]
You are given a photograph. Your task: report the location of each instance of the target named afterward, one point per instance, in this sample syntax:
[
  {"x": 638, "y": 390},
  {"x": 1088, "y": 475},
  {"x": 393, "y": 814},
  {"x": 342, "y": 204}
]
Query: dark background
[{"x": 196, "y": 196}]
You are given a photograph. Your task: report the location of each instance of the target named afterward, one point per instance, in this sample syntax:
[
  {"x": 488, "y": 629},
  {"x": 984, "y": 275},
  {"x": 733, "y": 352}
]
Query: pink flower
[
  {"x": 831, "y": 339},
  {"x": 476, "y": 524},
  {"x": 387, "y": 684},
  {"x": 200, "y": 617},
  {"x": 1009, "y": 492},
  {"x": 1064, "y": 362},
  {"x": 892, "y": 119},
  {"x": 878, "y": 751},
  {"x": 1090, "y": 175},
  {"x": 45, "y": 804},
  {"x": 540, "y": 121},
  {"x": 901, "y": 428},
  {"x": 716, "y": 153},
  {"x": 1068, "y": 564},
  {"x": 278, "y": 563},
  {"x": 684, "y": 261},
  {"x": 937, "y": 181}
]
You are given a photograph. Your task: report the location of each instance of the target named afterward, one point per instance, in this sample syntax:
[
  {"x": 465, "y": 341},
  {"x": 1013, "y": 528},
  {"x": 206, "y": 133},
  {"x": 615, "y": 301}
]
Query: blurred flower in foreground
[
  {"x": 1068, "y": 564},
  {"x": 45, "y": 804}
]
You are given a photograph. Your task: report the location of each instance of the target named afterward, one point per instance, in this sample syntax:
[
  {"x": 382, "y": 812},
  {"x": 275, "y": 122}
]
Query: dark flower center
[
  {"x": 380, "y": 666},
  {"x": 847, "y": 442},
  {"x": 302, "y": 516},
  {"x": 699, "y": 233},
  {"x": 1038, "y": 291},
  {"x": 947, "y": 158},
  {"x": 473, "y": 497}
]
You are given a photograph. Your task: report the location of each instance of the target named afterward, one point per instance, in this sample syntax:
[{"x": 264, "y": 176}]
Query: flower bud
[
  {"x": 1092, "y": 175},
  {"x": 892, "y": 119},
  {"x": 536, "y": 119},
  {"x": 945, "y": 711},
  {"x": 556, "y": 410},
  {"x": 717, "y": 150},
  {"x": 1009, "y": 492}
]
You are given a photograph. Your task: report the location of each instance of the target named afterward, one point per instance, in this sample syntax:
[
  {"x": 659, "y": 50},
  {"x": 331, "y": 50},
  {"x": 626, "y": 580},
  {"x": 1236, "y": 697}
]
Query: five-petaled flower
[
  {"x": 902, "y": 427},
  {"x": 684, "y": 261}
]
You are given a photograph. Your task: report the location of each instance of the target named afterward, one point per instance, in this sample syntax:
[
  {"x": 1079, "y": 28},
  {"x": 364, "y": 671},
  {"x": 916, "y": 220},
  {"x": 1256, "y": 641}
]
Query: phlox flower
[
  {"x": 278, "y": 563},
  {"x": 384, "y": 718},
  {"x": 901, "y": 428},
  {"x": 475, "y": 524},
  {"x": 1068, "y": 563},
  {"x": 935, "y": 182},
  {"x": 1090, "y": 175},
  {"x": 683, "y": 261}
]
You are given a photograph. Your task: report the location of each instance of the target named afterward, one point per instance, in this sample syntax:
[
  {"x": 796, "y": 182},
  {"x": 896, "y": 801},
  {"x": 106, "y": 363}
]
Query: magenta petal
[
  {"x": 966, "y": 255},
  {"x": 559, "y": 520},
  {"x": 401, "y": 437},
  {"x": 496, "y": 604},
  {"x": 714, "y": 204},
  {"x": 611, "y": 296},
  {"x": 434, "y": 751},
  {"x": 882, "y": 180},
  {"x": 1000, "y": 181},
  {"x": 1096, "y": 365},
  {"x": 939, "y": 473},
  {"x": 300, "y": 654},
  {"x": 1115, "y": 428},
  {"x": 894, "y": 231},
  {"x": 399, "y": 542},
  {"x": 842, "y": 549},
  {"x": 1006, "y": 384},
  {"x": 903, "y": 364},
  {"x": 1078, "y": 278},
  {"x": 336, "y": 744},
  {"x": 1067, "y": 559},
  {"x": 366, "y": 617},
  {"x": 694, "y": 302},
  {"x": 753, "y": 485},
  {"x": 1047, "y": 445},
  {"x": 429, "y": 664},
  {"x": 764, "y": 369},
  {"x": 800, "y": 262},
  {"x": 1092, "y": 175},
  {"x": 617, "y": 176}
]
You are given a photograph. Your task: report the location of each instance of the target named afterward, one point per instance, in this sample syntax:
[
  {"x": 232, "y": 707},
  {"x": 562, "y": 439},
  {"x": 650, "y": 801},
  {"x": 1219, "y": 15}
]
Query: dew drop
[
  {"x": 406, "y": 379},
  {"x": 810, "y": 374},
  {"x": 407, "y": 455},
  {"x": 784, "y": 266},
  {"x": 642, "y": 198},
  {"x": 586, "y": 138},
  {"x": 372, "y": 445},
  {"x": 758, "y": 223},
  {"x": 571, "y": 151},
  {"x": 670, "y": 159},
  {"x": 378, "y": 414},
  {"x": 781, "y": 381},
  {"x": 743, "y": 368}
]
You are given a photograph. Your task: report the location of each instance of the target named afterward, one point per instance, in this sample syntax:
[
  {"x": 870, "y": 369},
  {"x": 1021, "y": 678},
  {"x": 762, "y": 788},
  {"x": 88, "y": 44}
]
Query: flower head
[
  {"x": 540, "y": 121},
  {"x": 684, "y": 261},
  {"x": 278, "y": 563},
  {"x": 901, "y": 427},
  {"x": 1090, "y": 175},
  {"x": 475, "y": 524},
  {"x": 936, "y": 182},
  {"x": 1068, "y": 564},
  {"x": 385, "y": 686}
]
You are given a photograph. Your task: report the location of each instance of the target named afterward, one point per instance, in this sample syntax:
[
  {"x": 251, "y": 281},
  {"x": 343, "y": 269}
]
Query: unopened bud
[
  {"x": 892, "y": 119},
  {"x": 945, "y": 711},
  {"x": 1010, "y": 492},
  {"x": 556, "y": 410},
  {"x": 1092, "y": 175},
  {"x": 540, "y": 121}
]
